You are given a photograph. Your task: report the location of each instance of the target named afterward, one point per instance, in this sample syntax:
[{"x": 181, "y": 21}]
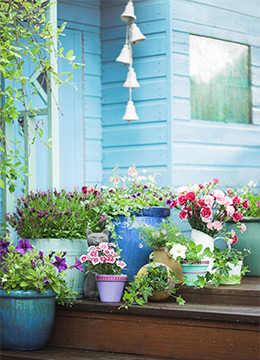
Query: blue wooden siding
[
  {"x": 203, "y": 149},
  {"x": 83, "y": 17},
  {"x": 144, "y": 142}
]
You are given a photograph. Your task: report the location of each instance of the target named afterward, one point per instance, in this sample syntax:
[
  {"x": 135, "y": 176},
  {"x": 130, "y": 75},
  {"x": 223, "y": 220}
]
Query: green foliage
[
  {"x": 25, "y": 34},
  {"x": 221, "y": 266},
  {"x": 162, "y": 235},
  {"x": 64, "y": 215},
  {"x": 190, "y": 252},
  {"x": 156, "y": 279},
  {"x": 33, "y": 271},
  {"x": 248, "y": 192}
]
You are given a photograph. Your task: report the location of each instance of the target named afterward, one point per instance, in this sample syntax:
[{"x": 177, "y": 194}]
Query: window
[{"x": 220, "y": 82}]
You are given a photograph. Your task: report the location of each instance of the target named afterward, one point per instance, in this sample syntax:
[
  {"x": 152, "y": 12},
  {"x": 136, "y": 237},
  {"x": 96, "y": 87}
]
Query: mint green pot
[
  {"x": 250, "y": 239},
  {"x": 74, "y": 248}
]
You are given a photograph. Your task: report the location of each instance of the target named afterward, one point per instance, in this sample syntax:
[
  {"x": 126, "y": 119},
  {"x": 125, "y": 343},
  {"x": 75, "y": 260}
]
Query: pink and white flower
[
  {"x": 84, "y": 258},
  {"x": 209, "y": 200},
  {"x": 121, "y": 264},
  {"x": 220, "y": 197},
  {"x": 103, "y": 246},
  {"x": 95, "y": 260},
  {"x": 243, "y": 228}
]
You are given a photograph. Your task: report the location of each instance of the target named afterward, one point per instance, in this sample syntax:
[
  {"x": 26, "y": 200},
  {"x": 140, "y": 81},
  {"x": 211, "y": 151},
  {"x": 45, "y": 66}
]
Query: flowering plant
[
  {"x": 129, "y": 194},
  {"x": 24, "y": 268},
  {"x": 253, "y": 197},
  {"x": 58, "y": 214},
  {"x": 161, "y": 235},
  {"x": 103, "y": 259},
  {"x": 189, "y": 253},
  {"x": 207, "y": 209}
]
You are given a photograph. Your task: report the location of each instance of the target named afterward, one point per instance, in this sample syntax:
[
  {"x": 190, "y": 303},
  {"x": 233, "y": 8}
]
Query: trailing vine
[{"x": 26, "y": 35}]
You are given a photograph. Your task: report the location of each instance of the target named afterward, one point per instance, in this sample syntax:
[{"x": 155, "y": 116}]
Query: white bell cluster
[{"x": 133, "y": 36}]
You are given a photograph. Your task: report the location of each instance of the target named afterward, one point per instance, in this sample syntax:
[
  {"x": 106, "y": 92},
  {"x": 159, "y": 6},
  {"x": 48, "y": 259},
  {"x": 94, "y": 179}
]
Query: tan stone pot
[
  {"x": 162, "y": 255},
  {"x": 157, "y": 295}
]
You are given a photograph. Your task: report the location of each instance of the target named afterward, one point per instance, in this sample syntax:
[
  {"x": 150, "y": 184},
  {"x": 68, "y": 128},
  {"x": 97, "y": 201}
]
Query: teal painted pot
[
  {"x": 192, "y": 271},
  {"x": 136, "y": 255},
  {"x": 250, "y": 239},
  {"x": 27, "y": 318},
  {"x": 74, "y": 248}
]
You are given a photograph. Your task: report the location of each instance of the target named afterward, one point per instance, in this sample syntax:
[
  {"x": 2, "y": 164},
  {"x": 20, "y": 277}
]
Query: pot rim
[
  {"x": 114, "y": 277},
  {"x": 27, "y": 293}
]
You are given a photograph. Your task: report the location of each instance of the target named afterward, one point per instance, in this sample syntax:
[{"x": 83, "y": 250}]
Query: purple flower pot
[{"x": 110, "y": 287}]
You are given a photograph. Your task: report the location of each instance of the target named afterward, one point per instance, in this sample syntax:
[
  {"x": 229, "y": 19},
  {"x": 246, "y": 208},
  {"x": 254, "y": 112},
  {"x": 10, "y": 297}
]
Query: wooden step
[{"x": 50, "y": 353}]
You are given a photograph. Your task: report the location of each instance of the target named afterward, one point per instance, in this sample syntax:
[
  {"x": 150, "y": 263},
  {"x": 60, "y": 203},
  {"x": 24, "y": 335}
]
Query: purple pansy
[
  {"x": 23, "y": 246},
  {"x": 3, "y": 246},
  {"x": 77, "y": 265},
  {"x": 60, "y": 263}
]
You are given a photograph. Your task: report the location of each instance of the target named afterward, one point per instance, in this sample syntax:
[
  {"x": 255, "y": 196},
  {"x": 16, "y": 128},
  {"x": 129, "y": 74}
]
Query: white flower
[
  {"x": 178, "y": 250},
  {"x": 16, "y": 266},
  {"x": 194, "y": 188},
  {"x": 144, "y": 171},
  {"x": 183, "y": 189},
  {"x": 4, "y": 278},
  {"x": 252, "y": 184}
]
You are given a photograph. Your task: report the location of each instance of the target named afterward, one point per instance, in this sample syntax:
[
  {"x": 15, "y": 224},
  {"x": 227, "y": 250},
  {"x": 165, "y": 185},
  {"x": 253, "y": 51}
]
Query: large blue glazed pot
[
  {"x": 74, "y": 248},
  {"x": 135, "y": 253},
  {"x": 27, "y": 319}
]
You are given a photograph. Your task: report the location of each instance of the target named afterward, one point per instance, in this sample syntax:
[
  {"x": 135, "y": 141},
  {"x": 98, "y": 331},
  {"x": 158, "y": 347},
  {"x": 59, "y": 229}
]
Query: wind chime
[{"x": 133, "y": 36}]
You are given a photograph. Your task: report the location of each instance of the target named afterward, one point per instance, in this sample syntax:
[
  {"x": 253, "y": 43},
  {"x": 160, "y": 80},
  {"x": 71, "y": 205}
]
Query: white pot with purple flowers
[
  {"x": 57, "y": 221},
  {"x": 29, "y": 285}
]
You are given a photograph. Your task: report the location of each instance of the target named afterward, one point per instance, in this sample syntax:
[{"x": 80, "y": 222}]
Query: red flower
[
  {"x": 201, "y": 203},
  {"x": 201, "y": 186},
  {"x": 174, "y": 203},
  {"x": 245, "y": 204},
  {"x": 237, "y": 216},
  {"x": 182, "y": 200},
  {"x": 183, "y": 214},
  {"x": 190, "y": 196},
  {"x": 206, "y": 212},
  {"x": 236, "y": 200},
  {"x": 234, "y": 239}
]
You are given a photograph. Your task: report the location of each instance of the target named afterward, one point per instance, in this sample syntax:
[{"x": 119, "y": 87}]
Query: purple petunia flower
[
  {"x": 33, "y": 262},
  {"x": 160, "y": 198},
  {"x": 3, "y": 246},
  {"x": 45, "y": 281},
  {"x": 145, "y": 187},
  {"x": 60, "y": 263},
  {"x": 168, "y": 202},
  {"x": 133, "y": 196},
  {"x": 23, "y": 246},
  {"x": 138, "y": 193},
  {"x": 77, "y": 265}
]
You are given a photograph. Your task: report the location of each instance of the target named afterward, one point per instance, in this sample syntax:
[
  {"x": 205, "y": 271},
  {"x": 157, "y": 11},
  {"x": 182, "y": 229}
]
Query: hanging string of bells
[{"x": 133, "y": 36}]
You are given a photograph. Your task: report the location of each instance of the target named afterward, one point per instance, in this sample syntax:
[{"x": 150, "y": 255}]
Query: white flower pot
[
  {"x": 234, "y": 277},
  {"x": 200, "y": 238}
]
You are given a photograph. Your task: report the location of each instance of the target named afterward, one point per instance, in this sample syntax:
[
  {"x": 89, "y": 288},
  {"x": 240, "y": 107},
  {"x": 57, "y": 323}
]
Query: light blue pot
[
  {"x": 74, "y": 248},
  {"x": 192, "y": 271},
  {"x": 27, "y": 318}
]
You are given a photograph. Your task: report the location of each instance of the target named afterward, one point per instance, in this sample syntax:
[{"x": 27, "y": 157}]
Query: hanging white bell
[
  {"x": 124, "y": 56},
  {"x": 136, "y": 35},
  {"x": 131, "y": 80},
  {"x": 130, "y": 113},
  {"x": 128, "y": 15}
]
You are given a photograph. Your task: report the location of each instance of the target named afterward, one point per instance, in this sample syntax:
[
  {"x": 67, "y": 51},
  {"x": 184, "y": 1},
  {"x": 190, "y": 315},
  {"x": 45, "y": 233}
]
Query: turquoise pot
[
  {"x": 250, "y": 239},
  {"x": 192, "y": 271},
  {"x": 135, "y": 253},
  {"x": 74, "y": 248},
  {"x": 27, "y": 318}
]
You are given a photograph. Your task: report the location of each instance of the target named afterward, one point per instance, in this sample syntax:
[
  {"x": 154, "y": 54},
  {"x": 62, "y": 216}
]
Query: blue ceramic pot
[
  {"x": 136, "y": 255},
  {"x": 191, "y": 271},
  {"x": 27, "y": 319}
]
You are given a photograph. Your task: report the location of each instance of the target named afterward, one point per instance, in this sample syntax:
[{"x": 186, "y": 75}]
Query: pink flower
[
  {"x": 233, "y": 238},
  {"x": 201, "y": 186},
  {"x": 183, "y": 189},
  {"x": 107, "y": 252},
  {"x": 217, "y": 225},
  {"x": 206, "y": 214},
  {"x": 174, "y": 203},
  {"x": 220, "y": 197},
  {"x": 102, "y": 259},
  {"x": 209, "y": 200},
  {"x": 103, "y": 246},
  {"x": 210, "y": 226},
  {"x": 183, "y": 214},
  {"x": 236, "y": 200},
  {"x": 95, "y": 260},
  {"x": 216, "y": 180},
  {"x": 230, "y": 210},
  {"x": 91, "y": 248},
  {"x": 243, "y": 228},
  {"x": 190, "y": 196},
  {"x": 245, "y": 204},
  {"x": 84, "y": 258},
  {"x": 93, "y": 254},
  {"x": 121, "y": 264},
  {"x": 258, "y": 204},
  {"x": 237, "y": 216},
  {"x": 182, "y": 200},
  {"x": 110, "y": 260}
]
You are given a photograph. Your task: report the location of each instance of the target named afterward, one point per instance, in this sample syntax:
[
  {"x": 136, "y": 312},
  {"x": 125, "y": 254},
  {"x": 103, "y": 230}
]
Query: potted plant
[
  {"x": 193, "y": 263},
  {"x": 152, "y": 283},
  {"x": 251, "y": 221},
  {"x": 207, "y": 210},
  {"x": 104, "y": 261},
  {"x": 130, "y": 202},
  {"x": 30, "y": 281},
  {"x": 160, "y": 238},
  {"x": 56, "y": 221},
  {"x": 228, "y": 267}
]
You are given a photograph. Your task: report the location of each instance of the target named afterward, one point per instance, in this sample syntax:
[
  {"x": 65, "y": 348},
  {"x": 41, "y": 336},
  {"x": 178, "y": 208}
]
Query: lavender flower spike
[
  {"x": 23, "y": 246},
  {"x": 60, "y": 263},
  {"x": 77, "y": 265}
]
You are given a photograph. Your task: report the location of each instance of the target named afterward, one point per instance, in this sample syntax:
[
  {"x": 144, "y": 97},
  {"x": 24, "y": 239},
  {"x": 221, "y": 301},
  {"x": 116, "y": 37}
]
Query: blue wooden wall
[
  {"x": 166, "y": 139},
  {"x": 84, "y": 106}
]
